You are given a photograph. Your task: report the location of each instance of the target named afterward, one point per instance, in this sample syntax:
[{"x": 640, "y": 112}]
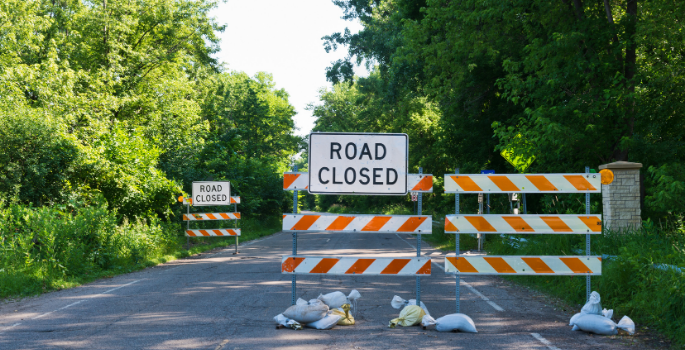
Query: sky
[{"x": 283, "y": 37}]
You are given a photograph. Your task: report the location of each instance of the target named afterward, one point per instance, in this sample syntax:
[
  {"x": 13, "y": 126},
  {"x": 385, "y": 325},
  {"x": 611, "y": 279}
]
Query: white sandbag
[
  {"x": 592, "y": 306},
  {"x": 306, "y": 313},
  {"x": 337, "y": 299},
  {"x": 627, "y": 325},
  {"x": 301, "y": 301},
  {"x": 574, "y": 318},
  {"x": 608, "y": 313},
  {"x": 595, "y": 324},
  {"x": 452, "y": 322},
  {"x": 286, "y": 322},
  {"x": 325, "y": 323},
  {"x": 398, "y": 303}
]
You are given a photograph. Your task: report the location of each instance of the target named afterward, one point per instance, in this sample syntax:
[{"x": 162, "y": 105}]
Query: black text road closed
[
  {"x": 211, "y": 193},
  {"x": 357, "y": 163}
]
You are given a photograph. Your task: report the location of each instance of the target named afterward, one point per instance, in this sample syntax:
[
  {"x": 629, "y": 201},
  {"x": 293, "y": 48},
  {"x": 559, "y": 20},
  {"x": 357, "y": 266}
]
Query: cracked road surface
[{"x": 222, "y": 301}]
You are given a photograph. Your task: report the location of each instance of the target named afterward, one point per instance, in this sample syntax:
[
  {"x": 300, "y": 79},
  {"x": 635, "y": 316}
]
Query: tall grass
[{"x": 51, "y": 248}]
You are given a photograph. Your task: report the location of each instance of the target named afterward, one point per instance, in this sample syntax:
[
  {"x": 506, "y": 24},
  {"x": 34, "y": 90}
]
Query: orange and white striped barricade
[
  {"x": 357, "y": 223},
  {"x": 217, "y": 232},
  {"x": 348, "y": 266},
  {"x": 523, "y": 183},
  {"x": 188, "y": 217},
  {"x": 210, "y": 216},
  {"x": 298, "y": 181},
  {"x": 524, "y": 224},
  {"x": 524, "y": 265}
]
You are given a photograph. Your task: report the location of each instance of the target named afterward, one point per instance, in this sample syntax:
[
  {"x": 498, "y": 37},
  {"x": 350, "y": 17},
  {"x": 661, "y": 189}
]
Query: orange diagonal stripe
[
  {"x": 232, "y": 232},
  {"x": 290, "y": 264},
  {"x": 424, "y": 185},
  {"x": 395, "y": 266},
  {"x": 592, "y": 223},
  {"x": 288, "y": 179},
  {"x": 449, "y": 226},
  {"x": 225, "y": 215},
  {"x": 480, "y": 223},
  {"x": 411, "y": 224},
  {"x": 518, "y": 224},
  {"x": 556, "y": 224},
  {"x": 504, "y": 183},
  {"x": 190, "y": 233},
  {"x": 462, "y": 264},
  {"x": 232, "y": 200},
  {"x": 499, "y": 265},
  {"x": 541, "y": 182},
  {"x": 537, "y": 265},
  {"x": 185, "y": 218},
  {"x": 376, "y": 223},
  {"x": 237, "y": 215},
  {"x": 324, "y": 265},
  {"x": 465, "y": 183},
  {"x": 218, "y": 232},
  {"x": 359, "y": 266},
  {"x": 576, "y": 265},
  {"x": 305, "y": 222},
  {"x": 579, "y": 182},
  {"x": 425, "y": 269},
  {"x": 211, "y": 216},
  {"x": 204, "y": 233},
  {"x": 340, "y": 223}
]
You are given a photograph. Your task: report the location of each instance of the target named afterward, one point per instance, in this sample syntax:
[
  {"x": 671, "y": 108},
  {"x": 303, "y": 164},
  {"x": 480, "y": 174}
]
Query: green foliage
[
  {"x": 668, "y": 191},
  {"x": 37, "y": 157}
]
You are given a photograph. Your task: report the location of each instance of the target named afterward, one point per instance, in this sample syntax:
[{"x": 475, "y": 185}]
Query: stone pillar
[{"x": 621, "y": 198}]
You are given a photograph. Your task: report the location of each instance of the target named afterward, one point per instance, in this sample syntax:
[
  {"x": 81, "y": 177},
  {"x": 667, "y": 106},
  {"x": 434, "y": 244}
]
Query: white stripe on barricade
[
  {"x": 415, "y": 182},
  {"x": 211, "y": 216},
  {"x": 342, "y": 265},
  {"x": 358, "y": 223},
  {"x": 213, "y": 232},
  {"x": 524, "y": 224},
  {"x": 524, "y": 265},
  {"x": 523, "y": 183}
]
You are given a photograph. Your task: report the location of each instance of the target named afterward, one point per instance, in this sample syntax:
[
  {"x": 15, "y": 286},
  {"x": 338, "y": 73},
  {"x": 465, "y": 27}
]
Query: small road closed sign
[
  {"x": 211, "y": 193},
  {"x": 358, "y": 163}
]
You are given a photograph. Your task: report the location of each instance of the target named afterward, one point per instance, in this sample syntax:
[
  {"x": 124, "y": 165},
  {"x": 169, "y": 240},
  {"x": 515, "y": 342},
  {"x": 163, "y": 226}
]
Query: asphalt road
[{"x": 222, "y": 301}]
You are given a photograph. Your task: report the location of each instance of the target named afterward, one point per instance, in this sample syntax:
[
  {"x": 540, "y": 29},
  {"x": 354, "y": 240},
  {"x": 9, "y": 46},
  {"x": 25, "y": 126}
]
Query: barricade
[
  {"x": 587, "y": 224},
  {"x": 356, "y": 223},
  {"x": 217, "y": 232}
]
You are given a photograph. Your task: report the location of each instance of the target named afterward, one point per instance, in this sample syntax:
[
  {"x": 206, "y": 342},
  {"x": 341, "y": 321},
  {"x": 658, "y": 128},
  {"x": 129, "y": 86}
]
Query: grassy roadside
[{"x": 44, "y": 249}]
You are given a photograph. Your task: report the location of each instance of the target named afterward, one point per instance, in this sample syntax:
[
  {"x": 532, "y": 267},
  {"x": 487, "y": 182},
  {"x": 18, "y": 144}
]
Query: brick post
[{"x": 621, "y": 198}]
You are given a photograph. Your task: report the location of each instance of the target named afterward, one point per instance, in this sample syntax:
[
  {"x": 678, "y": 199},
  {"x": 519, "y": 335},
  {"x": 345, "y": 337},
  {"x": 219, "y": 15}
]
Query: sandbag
[
  {"x": 452, "y": 322},
  {"x": 306, "y": 313},
  {"x": 592, "y": 306},
  {"x": 411, "y": 315},
  {"x": 601, "y": 325},
  {"x": 608, "y": 313},
  {"x": 346, "y": 318},
  {"x": 288, "y": 323},
  {"x": 301, "y": 301},
  {"x": 627, "y": 325},
  {"x": 327, "y": 322},
  {"x": 337, "y": 299},
  {"x": 397, "y": 303}
]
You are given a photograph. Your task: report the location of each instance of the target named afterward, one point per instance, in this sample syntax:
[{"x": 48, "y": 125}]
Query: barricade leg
[
  {"x": 456, "y": 243},
  {"x": 588, "y": 286}
]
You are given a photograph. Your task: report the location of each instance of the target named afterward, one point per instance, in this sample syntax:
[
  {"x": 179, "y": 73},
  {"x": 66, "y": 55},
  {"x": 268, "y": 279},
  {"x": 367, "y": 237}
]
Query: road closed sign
[
  {"x": 211, "y": 193},
  {"x": 358, "y": 163}
]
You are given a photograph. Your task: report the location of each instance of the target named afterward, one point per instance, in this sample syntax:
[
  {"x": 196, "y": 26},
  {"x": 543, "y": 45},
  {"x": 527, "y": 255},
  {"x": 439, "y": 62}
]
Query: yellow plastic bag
[
  {"x": 346, "y": 318},
  {"x": 409, "y": 316}
]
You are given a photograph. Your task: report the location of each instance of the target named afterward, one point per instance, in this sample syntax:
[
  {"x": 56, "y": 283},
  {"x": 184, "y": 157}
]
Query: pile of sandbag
[
  {"x": 593, "y": 319},
  {"x": 450, "y": 323},
  {"x": 411, "y": 314},
  {"x": 324, "y": 312}
]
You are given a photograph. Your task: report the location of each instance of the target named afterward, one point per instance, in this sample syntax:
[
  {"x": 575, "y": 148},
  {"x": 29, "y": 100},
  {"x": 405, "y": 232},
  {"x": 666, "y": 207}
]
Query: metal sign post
[
  {"x": 456, "y": 241},
  {"x": 418, "y": 247},
  {"x": 294, "y": 287},
  {"x": 235, "y": 224},
  {"x": 587, "y": 241}
]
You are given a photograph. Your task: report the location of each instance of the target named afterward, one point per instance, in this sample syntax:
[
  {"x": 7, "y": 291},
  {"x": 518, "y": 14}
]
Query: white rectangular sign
[
  {"x": 211, "y": 193},
  {"x": 358, "y": 163}
]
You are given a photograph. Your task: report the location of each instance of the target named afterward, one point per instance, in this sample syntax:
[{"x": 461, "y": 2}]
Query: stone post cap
[{"x": 621, "y": 165}]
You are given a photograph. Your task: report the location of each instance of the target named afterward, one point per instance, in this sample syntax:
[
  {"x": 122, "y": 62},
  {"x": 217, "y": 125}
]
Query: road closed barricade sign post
[
  {"x": 357, "y": 164},
  {"x": 212, "y": 193},
  {"x": 588, "y": 224}
]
